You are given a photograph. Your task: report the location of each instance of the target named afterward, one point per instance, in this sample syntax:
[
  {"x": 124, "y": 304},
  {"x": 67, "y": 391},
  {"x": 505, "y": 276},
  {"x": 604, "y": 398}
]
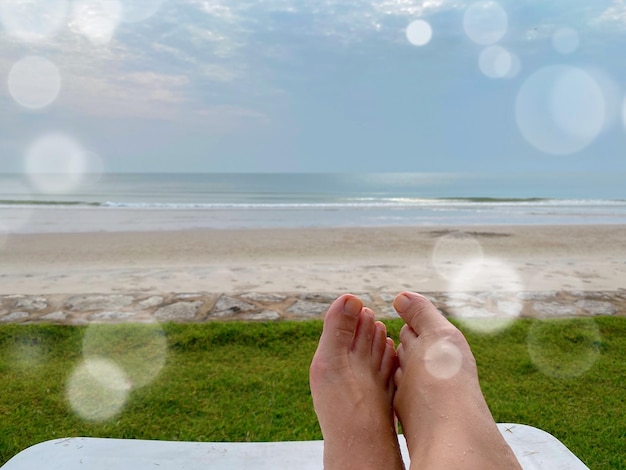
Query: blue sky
[{"x": 312, "y": 85}]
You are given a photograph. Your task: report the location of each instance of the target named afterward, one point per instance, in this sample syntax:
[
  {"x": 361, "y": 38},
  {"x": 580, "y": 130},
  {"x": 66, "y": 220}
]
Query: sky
[{"x": 530, "y": 86}]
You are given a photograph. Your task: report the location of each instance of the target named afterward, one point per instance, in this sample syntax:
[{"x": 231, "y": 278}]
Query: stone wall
[{"x": 251, "y": 306}]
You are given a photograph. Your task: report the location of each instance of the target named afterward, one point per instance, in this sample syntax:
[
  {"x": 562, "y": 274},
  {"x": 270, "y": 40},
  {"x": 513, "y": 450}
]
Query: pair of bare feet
[{"x": 360, "y": 383}]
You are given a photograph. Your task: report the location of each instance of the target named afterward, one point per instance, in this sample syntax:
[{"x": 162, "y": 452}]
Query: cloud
[
  {"x": 223, "y": 10},
  {"x": 615, "y": 14},
  {"x": 346, "y": 22},
  {"x": 147, "y": 95},
  {"x": 160, "y": 69},
  {"x": 152, "y": 79},
  {"x": 32, "y": 20},
  {"x": 412, "y": 8}
]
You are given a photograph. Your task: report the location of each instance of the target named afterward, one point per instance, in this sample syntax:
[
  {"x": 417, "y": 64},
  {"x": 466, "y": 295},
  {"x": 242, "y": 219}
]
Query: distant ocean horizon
[{"x": 172, "y": 201}]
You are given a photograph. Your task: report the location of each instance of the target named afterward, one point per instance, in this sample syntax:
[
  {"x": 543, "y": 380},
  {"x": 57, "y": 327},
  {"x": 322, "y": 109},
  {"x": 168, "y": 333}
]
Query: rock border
[{"x": 199, "y": 307}]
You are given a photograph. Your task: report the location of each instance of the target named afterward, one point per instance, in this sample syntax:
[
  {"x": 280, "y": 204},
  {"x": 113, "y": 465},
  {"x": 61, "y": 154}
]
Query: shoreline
[{"x": 55, "y": 219}]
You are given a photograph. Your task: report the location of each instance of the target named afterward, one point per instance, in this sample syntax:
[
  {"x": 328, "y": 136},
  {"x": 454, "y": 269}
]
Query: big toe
[
  {"x": 340, "y": 325},
  {"x": 419, "y": 313}
]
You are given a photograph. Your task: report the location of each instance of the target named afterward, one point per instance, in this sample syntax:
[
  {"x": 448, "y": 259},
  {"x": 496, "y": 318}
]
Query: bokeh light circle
[
  {"x": 564, "y": 348},
  {"x": 139, "y": 10},
  {"x": 443, "y": 359},
  {"x": 139, "y": 350},
  {"x": 560, "y": 109},
  {"x": 611, "y": 91},
  {"x": 55, "y": 163},
  {"x": 97, "y": 20},
  {"x": 500, "y": 285},
  {"x": 455, "y": 251},
  {"x": 565, "y": 40},
  {"x": 485, "y": 23},
  {"x": 419, "y": 32},
  {"x": 516, "y": 66},
  {"x": 495, "y": 62},
  {"x": 33, "y": 20},
  {"x": 34, "y": 82},
  {"x": 97, "y": 389}
]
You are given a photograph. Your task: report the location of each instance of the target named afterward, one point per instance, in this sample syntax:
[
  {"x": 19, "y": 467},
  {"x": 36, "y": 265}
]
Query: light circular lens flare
[
  {"x": 97, "y": 389},
  {"x": 454, "y": 252},
  {"x": 485, "y": 23},
  {"x": 139, "y": 349},
  {"x": 55, "y": 163},
  {"x": 612, "y": 92},
  {"x": 33, "y": 20},
  {"x": 485, "y": 295},
  {"x": 34, "y": 82},
  {"x": 564, "y": 348},
  {"x": 590, "y": 99},
  {"x": 443, "y": 359},
  {"x": 139, "y": 10},
  {"x": 419, "y": 32},
  {"x": 97, "y": 20},
  {"x": 565, "y": 40},
  {"x": 495, "y": 62},
  {"x": 560, "y": 109},
  {"x": 516, "y": 66}
]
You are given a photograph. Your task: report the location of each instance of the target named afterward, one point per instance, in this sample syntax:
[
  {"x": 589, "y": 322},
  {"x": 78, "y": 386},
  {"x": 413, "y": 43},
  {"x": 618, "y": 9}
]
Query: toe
[
  {"x": 340, "y": 325},
  {"x": 419, "y": 313},
  {"x": 397, "y": 375},
  {"x": 400, "y": 352},
  {"x": 380, "y": 341},
  {"x": 364, "y": 336},
  {"x": 407, "y": 334},
  {"x": 389, "y": 361}
]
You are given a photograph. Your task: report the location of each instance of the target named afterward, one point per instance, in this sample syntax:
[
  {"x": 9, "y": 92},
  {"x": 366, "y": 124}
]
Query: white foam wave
[{"x": 369, "y": 203}]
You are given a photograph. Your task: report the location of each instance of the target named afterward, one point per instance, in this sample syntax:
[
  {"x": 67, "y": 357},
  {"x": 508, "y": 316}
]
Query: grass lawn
[{"x": 249, "y": 382}]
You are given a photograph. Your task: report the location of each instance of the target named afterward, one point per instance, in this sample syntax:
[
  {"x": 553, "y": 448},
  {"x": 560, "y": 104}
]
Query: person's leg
[
  {"x": 352, "y": 387},
  {"x": 444, "y": 416}
]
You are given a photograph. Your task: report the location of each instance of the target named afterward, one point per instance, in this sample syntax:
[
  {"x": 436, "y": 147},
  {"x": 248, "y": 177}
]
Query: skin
[
  {"x": 359, "y": 383},
  {"x": 444, "y": 416},
  {"x": 351, "y": 378}
]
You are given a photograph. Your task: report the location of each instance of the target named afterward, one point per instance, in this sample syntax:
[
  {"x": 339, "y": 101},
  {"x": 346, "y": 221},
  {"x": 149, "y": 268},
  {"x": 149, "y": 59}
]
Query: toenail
[
  {"x": 352, "y": 306},
  {"x": 402, "y": 303}
]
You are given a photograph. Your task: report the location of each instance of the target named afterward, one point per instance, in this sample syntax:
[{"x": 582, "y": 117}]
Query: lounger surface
[{"x": 534, "y": 448}]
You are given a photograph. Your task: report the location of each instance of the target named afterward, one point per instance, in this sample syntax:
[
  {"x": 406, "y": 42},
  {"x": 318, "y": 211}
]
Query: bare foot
[
  {"x": 352, "y": 386},
  {"x": 444, "y": 416}
]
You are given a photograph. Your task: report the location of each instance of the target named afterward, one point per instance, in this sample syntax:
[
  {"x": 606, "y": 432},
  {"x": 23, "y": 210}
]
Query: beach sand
[{"x": 423, "y": 259}]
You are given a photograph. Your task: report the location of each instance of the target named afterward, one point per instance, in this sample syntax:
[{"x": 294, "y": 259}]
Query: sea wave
[
  {"x": 351, "y": 203},
  {"x": 45, "y": 202},
  {"x": 374, "y": 203}
]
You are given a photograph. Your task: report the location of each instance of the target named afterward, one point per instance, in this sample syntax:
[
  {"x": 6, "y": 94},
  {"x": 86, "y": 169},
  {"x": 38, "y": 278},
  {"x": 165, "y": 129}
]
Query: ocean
[{"x": 159, "y": 201}]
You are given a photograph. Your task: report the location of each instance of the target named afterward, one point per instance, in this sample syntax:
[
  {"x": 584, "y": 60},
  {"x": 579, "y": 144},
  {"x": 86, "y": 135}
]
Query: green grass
[{"x": 249, "y": 382}]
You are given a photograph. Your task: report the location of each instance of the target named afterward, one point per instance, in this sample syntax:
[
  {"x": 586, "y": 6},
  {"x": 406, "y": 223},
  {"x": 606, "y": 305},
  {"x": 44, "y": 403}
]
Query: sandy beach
[
  {"x": 430, "y": 259},
  {"x": 273, "y": 274}
]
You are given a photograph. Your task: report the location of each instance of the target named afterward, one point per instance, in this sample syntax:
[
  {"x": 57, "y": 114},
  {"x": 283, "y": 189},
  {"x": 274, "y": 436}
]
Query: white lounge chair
[{"x": 534, "y": 448}]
